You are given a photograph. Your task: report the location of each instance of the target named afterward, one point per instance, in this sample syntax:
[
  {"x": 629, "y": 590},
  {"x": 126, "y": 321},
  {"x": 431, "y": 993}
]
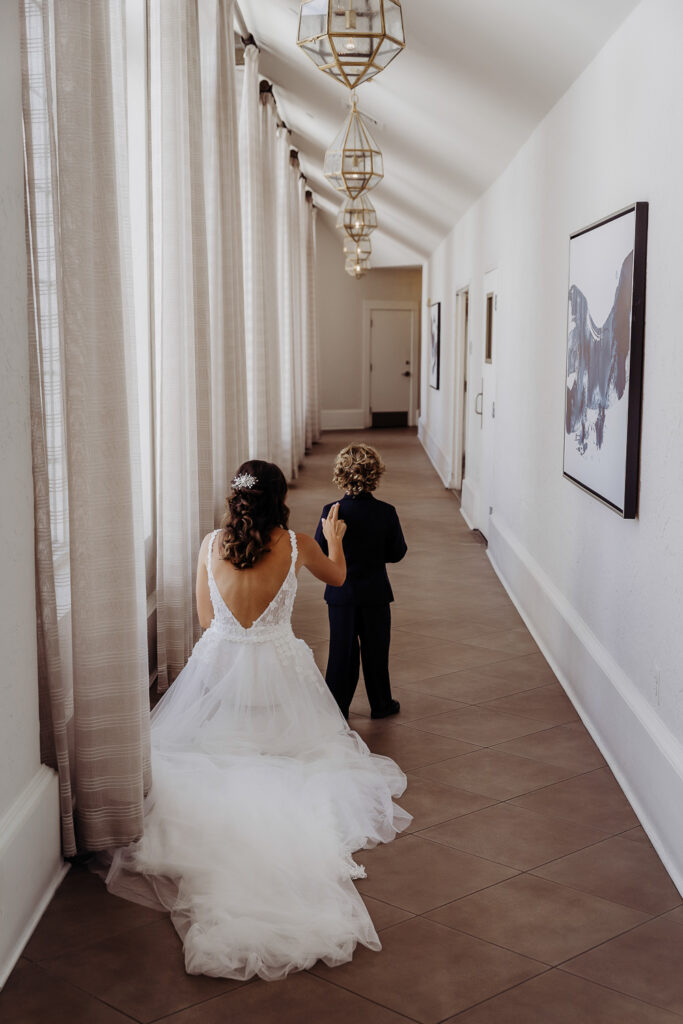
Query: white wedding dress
[{"x": 261, "y": 792}]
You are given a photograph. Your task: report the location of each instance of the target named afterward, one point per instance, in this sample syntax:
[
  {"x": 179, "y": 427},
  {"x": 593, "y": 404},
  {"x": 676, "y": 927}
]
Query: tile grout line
[{"x": 367, "y": 999}]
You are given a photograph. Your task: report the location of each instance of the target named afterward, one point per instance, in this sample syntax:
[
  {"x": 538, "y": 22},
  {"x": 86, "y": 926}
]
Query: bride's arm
[
  {"x": 204, "y": 606},
  {"x": 330, "y": 570}
]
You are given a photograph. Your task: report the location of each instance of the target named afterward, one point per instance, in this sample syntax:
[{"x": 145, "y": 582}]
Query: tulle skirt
[{"x": 261, "y": 793}]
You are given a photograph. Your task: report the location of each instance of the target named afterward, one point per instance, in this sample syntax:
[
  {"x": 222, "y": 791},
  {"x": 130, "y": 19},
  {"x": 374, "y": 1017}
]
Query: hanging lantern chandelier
[
  {"x": 361, "y": 250},
  {"x": 351, "y": 40},
  {"x": 358, "y": 218},
  {"x": 356, "y": 268},
  {"x": 354, "y": 163}
]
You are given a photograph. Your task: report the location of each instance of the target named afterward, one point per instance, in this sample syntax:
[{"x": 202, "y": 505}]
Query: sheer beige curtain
[
  {"x": 279, "y": 282},
  {"x": 287, "y": 276},
  {"x": 261, "y": 332},
  {"x": 271, "y": 157},
  {"x": 297, "y": 190},
  {"x": 200, "y": 401},
  {"x": 90, "y": 585},
  {"x": 223, "y": 224},
  {"x": 310, "y": 325}
]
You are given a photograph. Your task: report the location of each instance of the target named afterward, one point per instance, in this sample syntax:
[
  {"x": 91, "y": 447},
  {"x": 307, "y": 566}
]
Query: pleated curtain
[
  {"x": 222, "y": 173},
  {"x": 90, "y": 586},
  {"x": 279, "y": 283},
  {"x": 232, "y": 352},
  {"x": 261, "y": 340},
  {"x": 297, "y": 189},
  {"x": 287, "y": 301},
  {"x": 201, "y": 409},
  {"x": 310, "y": 327},
  {"x": 272, "y": 155}
]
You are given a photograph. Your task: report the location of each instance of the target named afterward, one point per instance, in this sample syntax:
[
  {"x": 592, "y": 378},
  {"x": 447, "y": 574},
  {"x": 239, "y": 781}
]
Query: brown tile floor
[{"x": 525, "y": 891}]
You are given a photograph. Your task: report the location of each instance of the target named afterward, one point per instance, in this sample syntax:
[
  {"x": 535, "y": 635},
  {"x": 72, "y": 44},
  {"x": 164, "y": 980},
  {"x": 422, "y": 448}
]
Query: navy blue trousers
[{"x": 359, "y": 634}]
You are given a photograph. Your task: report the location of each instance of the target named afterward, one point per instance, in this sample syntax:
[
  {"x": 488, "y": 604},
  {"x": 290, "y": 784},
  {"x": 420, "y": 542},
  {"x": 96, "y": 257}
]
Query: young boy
[{"x": 359, "y": 612}]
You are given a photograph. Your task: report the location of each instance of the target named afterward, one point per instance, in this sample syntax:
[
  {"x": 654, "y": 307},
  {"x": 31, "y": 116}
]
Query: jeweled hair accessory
[{"x": 244, "y": 482}]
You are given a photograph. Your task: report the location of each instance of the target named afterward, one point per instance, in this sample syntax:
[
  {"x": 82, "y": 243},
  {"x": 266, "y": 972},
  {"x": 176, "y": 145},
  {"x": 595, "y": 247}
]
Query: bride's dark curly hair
[{"x": 252, "y": 513}]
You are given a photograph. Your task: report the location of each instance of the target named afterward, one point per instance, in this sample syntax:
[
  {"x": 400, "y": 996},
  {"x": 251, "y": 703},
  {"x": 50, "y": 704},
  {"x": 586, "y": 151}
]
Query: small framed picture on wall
[
  {"x": 605, "y": 334},
  {"x": 435, "y": 348}
]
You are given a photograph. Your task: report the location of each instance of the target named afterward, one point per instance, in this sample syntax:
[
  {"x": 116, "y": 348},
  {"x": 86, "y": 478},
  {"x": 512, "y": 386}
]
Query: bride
[{"x": 261, "y": 791}]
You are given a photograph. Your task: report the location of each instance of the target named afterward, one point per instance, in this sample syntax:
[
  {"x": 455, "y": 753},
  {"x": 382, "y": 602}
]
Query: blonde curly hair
[{"x": 357, "y": 468}]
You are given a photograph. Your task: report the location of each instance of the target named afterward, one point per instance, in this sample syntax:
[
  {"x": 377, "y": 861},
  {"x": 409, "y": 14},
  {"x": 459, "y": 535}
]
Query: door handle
[
  {"x": 407, "y": 373},
  {"x": 479, "y": 411}
]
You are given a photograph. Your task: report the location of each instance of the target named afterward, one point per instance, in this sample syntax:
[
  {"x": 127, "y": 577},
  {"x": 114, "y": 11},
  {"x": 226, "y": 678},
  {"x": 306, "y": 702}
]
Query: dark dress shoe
[{"x": 393, "y": 709}]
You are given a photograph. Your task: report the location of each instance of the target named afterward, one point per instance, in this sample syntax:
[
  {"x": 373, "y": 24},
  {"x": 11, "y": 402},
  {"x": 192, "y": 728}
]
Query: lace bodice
[{"x": 272, "y": 622}]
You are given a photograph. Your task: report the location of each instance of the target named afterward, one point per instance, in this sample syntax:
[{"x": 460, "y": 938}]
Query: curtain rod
[{"x": 266, "y": 87}]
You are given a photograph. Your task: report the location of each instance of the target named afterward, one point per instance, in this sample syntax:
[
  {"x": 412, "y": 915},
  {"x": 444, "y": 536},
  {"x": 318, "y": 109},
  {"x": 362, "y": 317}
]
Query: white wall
[
  {"x": 30, "y": 861},
  {"x": 340, "y": 301},
  {"x": 603, "y": 596}
]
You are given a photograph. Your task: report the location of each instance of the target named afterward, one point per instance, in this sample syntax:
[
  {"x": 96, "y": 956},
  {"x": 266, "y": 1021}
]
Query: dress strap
[
  {"x": 210, "y": 552},
  {"x": 295, "y": 549}
]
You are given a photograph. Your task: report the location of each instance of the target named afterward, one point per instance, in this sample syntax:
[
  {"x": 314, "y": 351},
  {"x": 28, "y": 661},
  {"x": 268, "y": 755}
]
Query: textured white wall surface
[
  {"x": 340, "y": 316},
  {"x": 18, "y": 686},
  {"x": 613, "y": 139}
]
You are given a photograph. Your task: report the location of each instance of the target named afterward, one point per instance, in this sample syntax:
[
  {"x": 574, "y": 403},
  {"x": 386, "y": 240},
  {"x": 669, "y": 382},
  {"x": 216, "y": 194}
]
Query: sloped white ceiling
[{"x": 451, "y": 111}]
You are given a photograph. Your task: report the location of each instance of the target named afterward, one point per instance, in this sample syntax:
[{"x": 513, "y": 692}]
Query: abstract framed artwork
[
  {"x": 435, "y": 349},
  {"x": 604, "y": 372}
]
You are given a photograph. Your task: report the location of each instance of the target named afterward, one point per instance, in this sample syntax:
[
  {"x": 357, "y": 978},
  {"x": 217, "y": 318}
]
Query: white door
[
  {"x": 488, "y": 401},
  {"x": 391, "y": 367}
]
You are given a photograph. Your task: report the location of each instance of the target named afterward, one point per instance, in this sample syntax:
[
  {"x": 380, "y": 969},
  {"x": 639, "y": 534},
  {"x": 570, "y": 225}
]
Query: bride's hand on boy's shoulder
[
  {"x": 333, "y": 526},
  {"x": 330, "y": 568}
]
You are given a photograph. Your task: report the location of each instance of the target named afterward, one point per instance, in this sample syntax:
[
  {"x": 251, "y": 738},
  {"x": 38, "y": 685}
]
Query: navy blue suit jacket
[{"x": 373, "y": 537}]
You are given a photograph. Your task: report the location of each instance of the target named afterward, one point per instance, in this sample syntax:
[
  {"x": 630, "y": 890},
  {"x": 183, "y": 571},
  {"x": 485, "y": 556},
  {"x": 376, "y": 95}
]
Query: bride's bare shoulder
[{"x": 204, "y": 546}]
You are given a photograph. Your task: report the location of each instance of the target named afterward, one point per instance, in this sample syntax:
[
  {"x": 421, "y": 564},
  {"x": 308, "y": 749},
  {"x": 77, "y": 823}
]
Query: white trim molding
[
  {"x": 342, "y": 419},
  {"x": 469, "y": 501},
  {"x": 31, "y": 865},
  {"x": 438, "y": 458},
  {"x": 459, "y": 405},
  {"x": 469, "y": 495},
  {"x": 645, "y": 757}
]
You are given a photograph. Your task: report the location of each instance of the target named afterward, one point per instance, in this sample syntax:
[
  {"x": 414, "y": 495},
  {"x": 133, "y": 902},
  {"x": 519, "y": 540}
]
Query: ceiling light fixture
[
  {"x": 357, "y": 217},
  {"x": 354, "y": 163},
  {"x": 356, "y": 268},
  {"x": 351, "y": 40},
  {"x": 361, "y": 250}
]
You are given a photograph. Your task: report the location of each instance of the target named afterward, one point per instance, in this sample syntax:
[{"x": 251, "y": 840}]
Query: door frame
[
  {"x": 460, "y": 409},
  {"x": 490, "y": 287},
  {"x": 369, "y": 307}
]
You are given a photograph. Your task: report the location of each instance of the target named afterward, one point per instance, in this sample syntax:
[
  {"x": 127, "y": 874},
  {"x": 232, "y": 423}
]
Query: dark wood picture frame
[
  {"x": 604, "y": 366},
  {"x": 435, "y": 345}
]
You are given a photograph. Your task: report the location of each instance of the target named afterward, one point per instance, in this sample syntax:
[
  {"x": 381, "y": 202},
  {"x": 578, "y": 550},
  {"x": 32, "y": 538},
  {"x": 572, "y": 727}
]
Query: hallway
[{"x": 525, "y": 891}]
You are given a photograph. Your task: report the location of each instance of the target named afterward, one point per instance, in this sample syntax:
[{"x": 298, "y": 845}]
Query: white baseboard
[
  {"x": 435, "y": 453},
  {"x": 31, "y": 865},
  {"x": 644, "y": 755},
  {"x": 469, "y": 502},
  {"x": 343, "y": 419},
  {"x": 467, "y": 519}
]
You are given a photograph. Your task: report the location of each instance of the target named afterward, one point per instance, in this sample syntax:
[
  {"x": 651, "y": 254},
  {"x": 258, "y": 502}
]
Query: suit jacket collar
[{"x": 363, "y": 496}]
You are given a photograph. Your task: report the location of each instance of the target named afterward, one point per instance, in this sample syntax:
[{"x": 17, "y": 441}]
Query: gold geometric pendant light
[
  {"x": 361, "y": 250},
  {"x": 357, "y": 217},
  {"x": 354, "y": 163},
  {"x": 356, "y": 268},
  {"x": 351, "y": 40}
]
